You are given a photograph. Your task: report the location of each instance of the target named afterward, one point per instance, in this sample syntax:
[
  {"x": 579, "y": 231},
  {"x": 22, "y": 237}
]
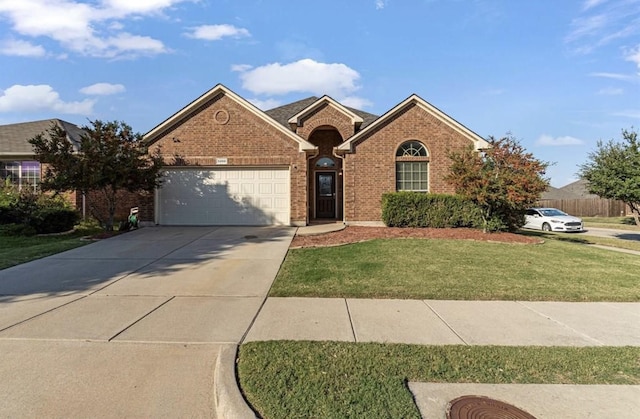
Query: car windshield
[{"x": 552, "y": 212}]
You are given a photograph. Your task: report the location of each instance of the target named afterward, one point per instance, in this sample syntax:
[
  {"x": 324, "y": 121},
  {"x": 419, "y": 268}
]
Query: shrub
[
  {"x": 17, "y": 230},
  {"x": 29, "y": 212},
  {"x": 8, "y": 215},
  {"x": 414, "y": 209},
  {"x": 54, "y": 220},
  {"x": 8, "y": 193}
]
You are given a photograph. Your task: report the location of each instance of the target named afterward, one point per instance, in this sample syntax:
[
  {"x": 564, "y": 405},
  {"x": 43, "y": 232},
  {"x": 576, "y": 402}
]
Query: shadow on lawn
[{"x": 563, "y": 237}]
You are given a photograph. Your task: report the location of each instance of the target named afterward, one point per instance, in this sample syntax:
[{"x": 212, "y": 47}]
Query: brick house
[
  {"x": 19, "y": 166},
  {"x": 17, "y": 161},
  {"x": 229, "y": 163}
]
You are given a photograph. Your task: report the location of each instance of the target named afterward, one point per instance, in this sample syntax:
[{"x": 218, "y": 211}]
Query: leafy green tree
[
  {"x": 613, "y": 171},
  {"x": 503, "y": 180},
  {"x": 111, "y": 158}
]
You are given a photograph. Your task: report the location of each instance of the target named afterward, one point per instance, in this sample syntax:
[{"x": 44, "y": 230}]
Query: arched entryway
[{"x": 325, "y": 180}]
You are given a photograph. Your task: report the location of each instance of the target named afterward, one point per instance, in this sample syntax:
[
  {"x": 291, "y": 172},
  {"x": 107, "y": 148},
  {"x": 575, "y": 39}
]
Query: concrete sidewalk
[
  {"x": 509, "y": 323},
  {"x": 435, "y": 322}
]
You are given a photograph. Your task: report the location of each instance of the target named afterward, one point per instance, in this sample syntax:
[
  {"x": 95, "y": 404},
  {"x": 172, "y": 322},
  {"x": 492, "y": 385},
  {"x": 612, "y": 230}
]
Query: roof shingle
[{"x": 14, "y": 138}]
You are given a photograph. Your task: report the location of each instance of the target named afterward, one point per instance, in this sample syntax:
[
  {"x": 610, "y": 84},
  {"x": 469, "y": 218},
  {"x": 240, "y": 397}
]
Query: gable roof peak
[
  {"x": 187, "y": 111},
  {"x": 324, "y": 100},
  {"x": 479, "y": 143}
]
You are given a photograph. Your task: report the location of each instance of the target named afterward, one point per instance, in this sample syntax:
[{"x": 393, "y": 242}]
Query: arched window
[
  {"x": 411, "y": 149},
  {"x": 412, "y": 167},
  {"x": 325, "y": 162}
]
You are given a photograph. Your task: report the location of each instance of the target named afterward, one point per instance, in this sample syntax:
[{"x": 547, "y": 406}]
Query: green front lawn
[
  {"x": 15, "y": 250},
  {"x": 335, "y": 379},
  {"x": 557, "y": 270},
  {"x": 283, "y": 379}
]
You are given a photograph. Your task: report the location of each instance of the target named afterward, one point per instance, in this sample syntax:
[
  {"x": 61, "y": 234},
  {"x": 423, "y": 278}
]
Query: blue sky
[{"x": 557, "y": 74}]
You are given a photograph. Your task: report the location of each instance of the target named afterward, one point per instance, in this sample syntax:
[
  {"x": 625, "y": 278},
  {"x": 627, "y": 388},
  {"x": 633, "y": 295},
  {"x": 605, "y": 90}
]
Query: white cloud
[
  {"x": 102, "y": 89},
  {"x": 21, "y": 48},
  {"x": 547, "y": 140},
  {"x": 265, "y": 104},
  {"x": 589, "y": 4},
  {"x": 87, "y": 28},
  {"x": 36, "y": 98},
  {"x": 610, "y": 91},
  {"x": 615, "y": 76},
  {"x": 355, "y": 102},
  {"x": 633, "y": 113},
  {"x": 128, "y": 44},
  {"x": 125, "y": 7},
  {"x": 336, "y": 80},
  {"x": 380, "y": 4},
  {"x": 241, "y": 68},
  {"x": 599, "y": 26},
  {"x": 217, "y": 32},
  {"x": 633, "y": 55}
]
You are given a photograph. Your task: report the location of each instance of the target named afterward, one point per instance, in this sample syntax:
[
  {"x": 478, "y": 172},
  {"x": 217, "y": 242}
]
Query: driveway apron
[{"x": 133, "y": 325}]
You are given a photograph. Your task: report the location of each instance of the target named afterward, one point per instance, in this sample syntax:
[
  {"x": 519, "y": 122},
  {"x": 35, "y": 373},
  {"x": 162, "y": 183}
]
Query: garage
[{"x": 227, "y": 196}]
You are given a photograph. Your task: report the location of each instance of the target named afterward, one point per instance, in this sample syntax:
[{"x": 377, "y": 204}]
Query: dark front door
[{"x": 325, "y": 195}]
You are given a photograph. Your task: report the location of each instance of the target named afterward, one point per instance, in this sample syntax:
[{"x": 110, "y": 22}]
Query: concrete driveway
[
  {"x": 132, "y": 326},
  {"x": 613, "y": 233}
]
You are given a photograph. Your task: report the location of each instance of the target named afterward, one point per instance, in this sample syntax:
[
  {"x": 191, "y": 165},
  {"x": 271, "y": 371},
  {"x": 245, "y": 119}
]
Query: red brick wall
[
  {"x": 369, "y": 172},
  {"x": 326, "y": 116},
  {"x": 222, "y": 128},
  {"x": 94, "y": 202}
]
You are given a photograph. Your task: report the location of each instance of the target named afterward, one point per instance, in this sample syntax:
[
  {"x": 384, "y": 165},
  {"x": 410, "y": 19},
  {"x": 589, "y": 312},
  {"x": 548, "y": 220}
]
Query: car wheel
[{"x": 546, "y": 227}]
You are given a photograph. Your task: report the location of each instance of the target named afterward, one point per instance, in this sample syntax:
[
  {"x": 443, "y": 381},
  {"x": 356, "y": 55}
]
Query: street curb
[{"x": 228, "y": 400}]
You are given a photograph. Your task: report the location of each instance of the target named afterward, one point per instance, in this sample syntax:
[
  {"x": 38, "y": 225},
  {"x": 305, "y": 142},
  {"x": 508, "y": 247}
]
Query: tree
[
  {"x": 503, "y": 180},
  {"x": 111, "y": 159},
  {"x": 613, "y": 171}
]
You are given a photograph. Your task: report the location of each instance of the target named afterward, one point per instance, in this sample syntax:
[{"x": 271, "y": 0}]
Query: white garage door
[{"x": 230, "y": 196}]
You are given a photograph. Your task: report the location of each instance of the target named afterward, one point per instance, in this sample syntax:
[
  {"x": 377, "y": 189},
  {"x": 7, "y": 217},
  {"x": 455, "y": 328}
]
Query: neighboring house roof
[
  {"x": 578, "y": 190},
  {"x": 192, "y": 107},
  {"x": 556, "y": 193},
  {"x": 414, "y": 100},
  {"x": 14, "y": 138},
  {"x": 283, "y": 114}
]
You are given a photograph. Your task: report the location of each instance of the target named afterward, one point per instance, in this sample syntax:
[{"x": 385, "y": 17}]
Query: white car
[{"x": 551, "y": 219}]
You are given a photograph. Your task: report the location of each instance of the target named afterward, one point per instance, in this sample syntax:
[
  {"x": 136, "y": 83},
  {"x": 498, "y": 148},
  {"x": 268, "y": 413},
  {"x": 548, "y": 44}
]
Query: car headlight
[{"x": 557, "y": 221}]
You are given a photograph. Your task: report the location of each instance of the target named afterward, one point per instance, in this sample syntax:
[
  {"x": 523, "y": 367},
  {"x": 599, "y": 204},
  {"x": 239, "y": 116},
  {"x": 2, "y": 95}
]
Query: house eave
[
  {"x": 16, "y": 153},
  {"x": 478, "y": 142},
  {"x": 155, "y": 133}
]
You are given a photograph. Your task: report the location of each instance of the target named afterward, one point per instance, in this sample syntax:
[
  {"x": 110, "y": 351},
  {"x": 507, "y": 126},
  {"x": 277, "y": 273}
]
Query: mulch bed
[{"x": 354, "y": 234}]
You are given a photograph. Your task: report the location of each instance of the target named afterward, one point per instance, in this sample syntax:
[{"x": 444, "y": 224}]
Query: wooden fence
[{"x": 590, "y": 207}]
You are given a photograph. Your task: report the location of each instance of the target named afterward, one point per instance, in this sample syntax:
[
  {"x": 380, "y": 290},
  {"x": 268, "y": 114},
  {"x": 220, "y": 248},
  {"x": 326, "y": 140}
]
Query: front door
[{"x": 325, "y": 195}]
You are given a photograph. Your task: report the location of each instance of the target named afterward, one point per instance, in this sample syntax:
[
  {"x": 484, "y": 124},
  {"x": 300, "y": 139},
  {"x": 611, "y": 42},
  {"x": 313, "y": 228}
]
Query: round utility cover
[{"x": 480, "y": 407}]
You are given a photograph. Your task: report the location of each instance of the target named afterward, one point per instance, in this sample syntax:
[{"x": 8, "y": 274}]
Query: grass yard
[
  {"x": 283, "y": 379},
  {"x": 339, "y": 379},
  {"x": 15, "y": 250},
  {"x": 557, "y": 270}
]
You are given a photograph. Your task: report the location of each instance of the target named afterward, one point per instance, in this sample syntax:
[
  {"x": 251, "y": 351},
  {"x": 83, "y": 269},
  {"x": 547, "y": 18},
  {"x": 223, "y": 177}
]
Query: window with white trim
[
  {"x": 412, "y": 167},
  {"x": 21, "y": 173}
]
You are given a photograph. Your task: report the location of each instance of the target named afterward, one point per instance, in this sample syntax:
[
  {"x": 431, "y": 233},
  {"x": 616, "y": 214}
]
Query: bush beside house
[
  {"x": 26, "y": 212},
  {"x": 414, "y": 209}
]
